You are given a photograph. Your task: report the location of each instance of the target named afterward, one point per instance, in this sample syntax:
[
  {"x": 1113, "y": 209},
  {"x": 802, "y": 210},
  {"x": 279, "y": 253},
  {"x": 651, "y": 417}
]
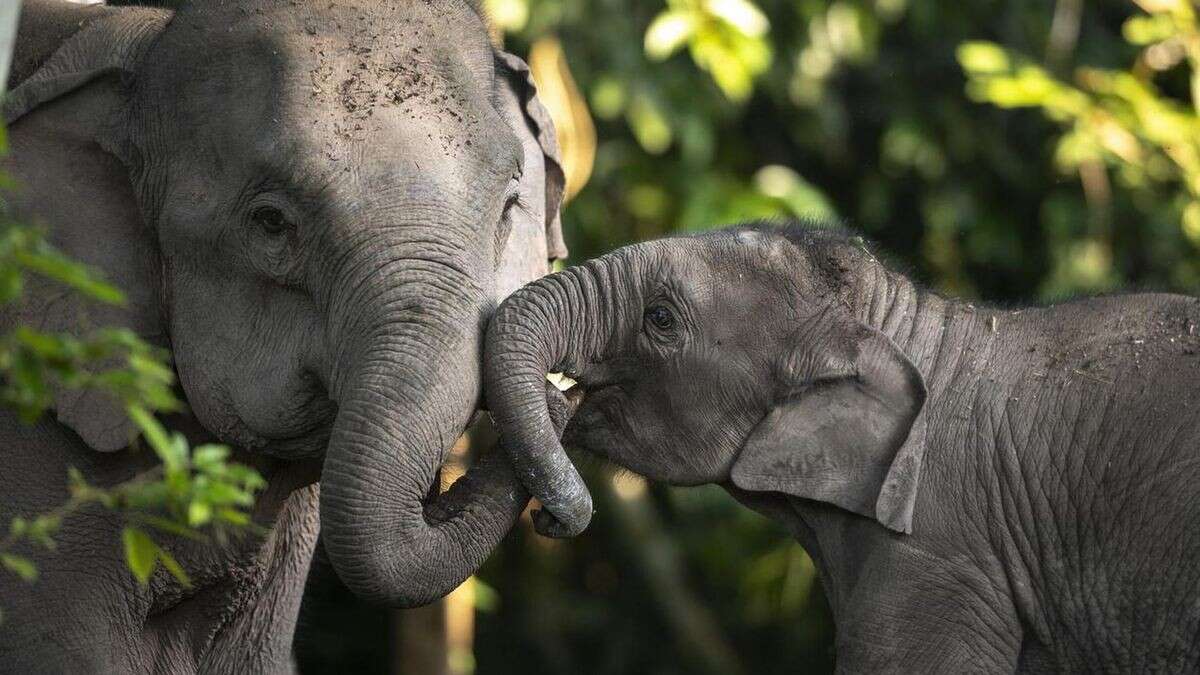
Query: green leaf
[
  {"x": 179, "y": 483},
  {"x": 649, "y": 125},
  {"x": 983, "y": 58},
  {"x": 41, "y": 529},
  {"x": 507, "y": 15},
  {"x": 52, "y": 264},
  {"x": 668, "y": 32},
  {"x": 199, "y": 513},
  {"x": 179, "y": 450},
  {"x": 10, "y": 284},
  {"x": 249, "y": 478},
  {"x": 140, "y": 554},
  {"x": 1144, "y": 30},
  {"x": 209, "y": 456},
  {"x": 20, "y": 566},
  {"x": 169, "y": 526},
  {"x": 233, "y": 517},
  {"x": 146, "y": 496},
  {"x": 162, "y": 444},
  {"x": 741, "y": 15},
  {"x": 220, "y": 494},
  {"x": 76, "y": 483},
  {"x": 173, "y": 566}
]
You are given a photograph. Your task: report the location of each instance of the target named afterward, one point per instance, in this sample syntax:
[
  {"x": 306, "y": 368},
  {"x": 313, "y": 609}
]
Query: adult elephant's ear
[
  {"x": 518, "y": 80},
  {"x": 847, "y": 428},
  {"x": 94, "y": 43},
  {"x": 66, "y": 117}
]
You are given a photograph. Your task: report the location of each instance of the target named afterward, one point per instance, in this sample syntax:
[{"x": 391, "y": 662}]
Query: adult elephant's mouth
[{"x": 309, "y": 446}]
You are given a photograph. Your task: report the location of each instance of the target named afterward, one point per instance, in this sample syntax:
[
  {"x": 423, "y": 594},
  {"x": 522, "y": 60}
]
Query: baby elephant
[{"x": 982, "y": 490}]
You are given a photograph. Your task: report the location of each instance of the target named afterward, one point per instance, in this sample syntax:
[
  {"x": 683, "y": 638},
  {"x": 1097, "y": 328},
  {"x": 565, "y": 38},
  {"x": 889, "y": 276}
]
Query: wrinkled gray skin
[
  {"x": 315, "y": 206},
  {"x": 982, "y": 490}
]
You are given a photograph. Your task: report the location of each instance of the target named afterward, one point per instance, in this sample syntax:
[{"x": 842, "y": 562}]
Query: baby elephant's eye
[
  {"x": 660, "y": 317},
  {"x": 269, "y": 219}
]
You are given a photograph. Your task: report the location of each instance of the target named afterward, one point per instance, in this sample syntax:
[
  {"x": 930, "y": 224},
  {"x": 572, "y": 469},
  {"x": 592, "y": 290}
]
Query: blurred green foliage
[{"x": 1136, "y": 126}]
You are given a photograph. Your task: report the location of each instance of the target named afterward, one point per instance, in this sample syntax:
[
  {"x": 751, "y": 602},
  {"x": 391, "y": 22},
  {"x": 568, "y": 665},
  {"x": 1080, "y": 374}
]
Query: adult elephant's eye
[
  {"x": 660, "y": 317},
  {"x": 269, "y": 219}
]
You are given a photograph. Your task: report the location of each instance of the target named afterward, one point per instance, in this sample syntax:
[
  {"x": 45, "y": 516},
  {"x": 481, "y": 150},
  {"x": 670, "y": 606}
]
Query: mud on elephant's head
[{"x": 316, "y": 205}]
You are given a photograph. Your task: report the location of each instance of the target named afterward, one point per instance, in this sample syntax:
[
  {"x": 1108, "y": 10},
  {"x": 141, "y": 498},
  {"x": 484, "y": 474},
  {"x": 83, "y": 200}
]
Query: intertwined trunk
[
  {"x": 558, "y": 323},
  {"x": 407, "y": 381}
]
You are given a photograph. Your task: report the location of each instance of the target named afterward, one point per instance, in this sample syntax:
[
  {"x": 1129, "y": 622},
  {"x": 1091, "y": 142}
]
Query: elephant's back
[{"x": 1095, "y": 421}]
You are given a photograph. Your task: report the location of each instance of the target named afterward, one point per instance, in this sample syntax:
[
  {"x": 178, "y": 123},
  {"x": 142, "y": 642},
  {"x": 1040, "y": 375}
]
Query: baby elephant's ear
[{"x": 849, "y": 433}]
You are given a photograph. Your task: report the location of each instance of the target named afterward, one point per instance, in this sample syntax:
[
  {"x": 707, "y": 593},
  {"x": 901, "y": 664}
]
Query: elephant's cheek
[{"x": 279, "y": 401}]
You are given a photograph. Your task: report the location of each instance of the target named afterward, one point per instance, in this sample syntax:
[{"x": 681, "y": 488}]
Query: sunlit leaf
[
  {"x": 1144, "y": 30},
  {"x": 140, "y": 553},
  {"x": 209, "y": 456},
  {"x": 162, "y": 444},
  {"x": 173, "y": 566},
  {"x": 668, "y": 32},
  {"x": 1190, "y": 222},
  {"x": 507, "y": 15},
  {"x": 740, "y": 14},
  {"x": 983, "y": 58},
  {"x": 802, "y": 198},
  {"x": 199, "y": 513}
]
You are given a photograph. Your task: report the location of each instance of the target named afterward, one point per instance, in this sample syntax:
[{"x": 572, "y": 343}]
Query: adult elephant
[{"x": 314, "y": 205}]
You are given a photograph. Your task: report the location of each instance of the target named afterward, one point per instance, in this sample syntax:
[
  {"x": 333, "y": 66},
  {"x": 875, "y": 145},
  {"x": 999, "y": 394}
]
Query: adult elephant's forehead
[
  {"x": 420, "y": 75},
  {"x": 364, "y": 20}
]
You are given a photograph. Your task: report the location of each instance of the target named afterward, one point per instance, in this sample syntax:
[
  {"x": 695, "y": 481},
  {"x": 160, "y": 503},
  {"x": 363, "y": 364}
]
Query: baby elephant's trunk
[{"x": 554, "y": 324}]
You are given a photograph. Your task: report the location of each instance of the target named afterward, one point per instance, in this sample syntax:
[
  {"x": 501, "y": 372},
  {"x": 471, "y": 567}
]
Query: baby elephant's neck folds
[{"x": 931, "y": 330}]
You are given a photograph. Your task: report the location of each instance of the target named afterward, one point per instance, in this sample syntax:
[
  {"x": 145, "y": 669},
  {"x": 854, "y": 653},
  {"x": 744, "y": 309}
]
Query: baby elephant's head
[{"x": 734, "y": 356}]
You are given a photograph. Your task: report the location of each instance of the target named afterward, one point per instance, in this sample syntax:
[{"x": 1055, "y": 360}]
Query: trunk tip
[{"x": 573, "y": 520}]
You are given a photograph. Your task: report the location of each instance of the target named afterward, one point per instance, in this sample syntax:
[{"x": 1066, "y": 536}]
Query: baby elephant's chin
[{"x": 591, "y": 431}]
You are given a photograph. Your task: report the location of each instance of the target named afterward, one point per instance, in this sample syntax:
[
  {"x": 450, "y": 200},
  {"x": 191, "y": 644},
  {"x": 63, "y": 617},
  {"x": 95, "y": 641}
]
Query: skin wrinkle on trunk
[
  {"x": 376, "y": 474},
  {"x": 406, "y": 377},
  {"x": 540, "y": 338}
]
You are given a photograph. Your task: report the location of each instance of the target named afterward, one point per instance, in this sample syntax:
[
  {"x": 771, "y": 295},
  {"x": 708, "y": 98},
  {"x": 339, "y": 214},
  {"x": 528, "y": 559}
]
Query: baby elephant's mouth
[
  {"x": 572, "y": 390},
  {"x": 594, "y": 428}
]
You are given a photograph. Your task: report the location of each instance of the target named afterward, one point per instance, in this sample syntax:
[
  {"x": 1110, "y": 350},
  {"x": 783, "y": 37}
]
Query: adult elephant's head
[{"x": 316, "y": 205}]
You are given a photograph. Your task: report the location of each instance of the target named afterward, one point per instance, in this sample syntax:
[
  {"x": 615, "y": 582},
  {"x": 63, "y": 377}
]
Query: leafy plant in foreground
[{"x": 194, "y": 493}]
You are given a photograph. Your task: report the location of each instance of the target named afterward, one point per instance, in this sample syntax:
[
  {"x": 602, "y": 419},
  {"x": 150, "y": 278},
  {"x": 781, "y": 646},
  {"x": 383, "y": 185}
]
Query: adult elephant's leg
[{"x": 259, "y": 639}]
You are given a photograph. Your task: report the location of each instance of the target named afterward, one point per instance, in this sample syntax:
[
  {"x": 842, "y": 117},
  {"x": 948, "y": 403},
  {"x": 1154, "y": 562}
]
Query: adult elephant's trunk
[
  {"x": 406, "y": 384},
  {"x": 554, "y": 324}
]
